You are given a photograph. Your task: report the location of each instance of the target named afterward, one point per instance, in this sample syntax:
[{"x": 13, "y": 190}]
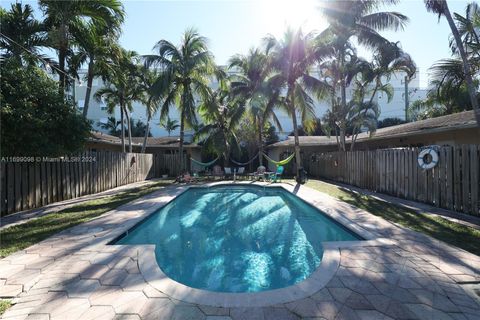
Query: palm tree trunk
[
  {"x": 343, "y": 112},
  {"x": 129, "y": 126},
  {"x": 182, "y": 135},
  {"x": 147, "y": 130},
  {"x": 122, "y": 122},
  {"x": 298, "y": 161},
  {"x": 62, "y": 54},
  {"x": 89, "y": 87},
  {"x": 466, "y": 66},
  {"x": 260, "y": 144},
  {"x": 61, "y": 75}
]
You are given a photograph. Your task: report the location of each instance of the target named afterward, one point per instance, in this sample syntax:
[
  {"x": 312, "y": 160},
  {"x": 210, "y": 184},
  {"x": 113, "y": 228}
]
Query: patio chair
[
  {"x": 228, "y": 172},
  {"x": 260, "y": 173},
  {"x": 217, "y": 172},
  {"x": 277, "y": 176}
]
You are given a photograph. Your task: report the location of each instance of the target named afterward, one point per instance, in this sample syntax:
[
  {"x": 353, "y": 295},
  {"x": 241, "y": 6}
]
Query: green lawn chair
[{"x": 277, "y": 176}]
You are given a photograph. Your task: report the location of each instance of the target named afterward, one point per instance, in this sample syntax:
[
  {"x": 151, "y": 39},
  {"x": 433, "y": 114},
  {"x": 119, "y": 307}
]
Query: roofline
[
  {"x": 374, "y": 138},
  {"x": 140, "y": 144}
]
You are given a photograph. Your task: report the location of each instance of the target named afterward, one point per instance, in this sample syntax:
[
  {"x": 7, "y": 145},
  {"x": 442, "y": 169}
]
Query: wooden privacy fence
[
  {"x": 165, "y": 163},
  {"x": 27, "y": 183},
  {"x": 453, "y": 184}
]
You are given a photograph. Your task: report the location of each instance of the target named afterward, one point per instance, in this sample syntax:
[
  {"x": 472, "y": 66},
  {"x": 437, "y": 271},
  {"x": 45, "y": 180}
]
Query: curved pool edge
[{"x": 159, "y": 280}]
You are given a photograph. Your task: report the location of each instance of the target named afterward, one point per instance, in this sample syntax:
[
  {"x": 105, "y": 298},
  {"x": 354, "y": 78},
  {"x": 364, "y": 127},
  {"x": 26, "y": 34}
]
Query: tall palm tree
[
  {"x": 186, "y": 69},
  {"x": 440, "y": 7},
  {"x": 121, "y": 89},
  {"x": 94, "y": 47},
  {"x": 64, "y": 17},
  {"x": 387, "y": 60},
  {"x": 359, "y": 20},
  {"x": 222, "y": 113},
  {"x": 20, "y": 32},
  {"x": 148, "y": 97},
  {"x": 292, "y": 58},
  {"x": 250, "y": 84}
]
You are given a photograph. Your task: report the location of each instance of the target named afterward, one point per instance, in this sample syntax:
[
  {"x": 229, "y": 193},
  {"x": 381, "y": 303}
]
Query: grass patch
[
  {"x": 24, "y": 235},
  {"x": 439, "y": 228},
  {"x": 4, "y": 305}
]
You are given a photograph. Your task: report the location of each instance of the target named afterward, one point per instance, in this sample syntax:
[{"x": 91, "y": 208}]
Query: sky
[{"x": 234, "y": 26}]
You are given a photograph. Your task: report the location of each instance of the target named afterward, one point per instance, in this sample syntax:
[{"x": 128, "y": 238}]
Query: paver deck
[{"x": 400, "y": 275}]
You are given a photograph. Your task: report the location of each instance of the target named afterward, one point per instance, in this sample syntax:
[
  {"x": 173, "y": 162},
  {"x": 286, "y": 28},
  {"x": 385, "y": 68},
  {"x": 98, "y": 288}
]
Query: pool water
[{"x": 238, "y": 238}]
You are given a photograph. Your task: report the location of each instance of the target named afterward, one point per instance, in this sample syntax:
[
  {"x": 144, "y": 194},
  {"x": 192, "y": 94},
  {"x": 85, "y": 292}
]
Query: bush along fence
[
  {"x": 452, "y": 184},
  {"x": 28, "y": 183}
]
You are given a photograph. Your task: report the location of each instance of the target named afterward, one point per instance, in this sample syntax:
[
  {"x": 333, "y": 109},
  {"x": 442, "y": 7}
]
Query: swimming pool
[{"x": 238, "y": 238}]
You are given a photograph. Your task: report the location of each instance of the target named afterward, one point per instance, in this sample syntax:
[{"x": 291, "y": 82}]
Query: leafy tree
[
  {"x": 64, "y": 18},
  {"x": 250, "y": 84},
  {"x": 170, "y": 125},
  {"x": 440, "y": 7},
  {"x": 139, "y": 129},
  {"x": 185, "y": 74},
  {"x": 20, "y": 31},
  {"x": 39, "y": 124},
  {"x": 292, "y": 58},
  {"x": 389, "y": 122}
]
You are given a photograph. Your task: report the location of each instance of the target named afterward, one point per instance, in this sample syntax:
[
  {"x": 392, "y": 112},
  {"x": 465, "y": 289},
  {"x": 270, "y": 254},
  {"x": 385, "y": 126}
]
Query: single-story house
[
  {"x": 169, "y": 145},
  {"x": 455, "y": 129}
]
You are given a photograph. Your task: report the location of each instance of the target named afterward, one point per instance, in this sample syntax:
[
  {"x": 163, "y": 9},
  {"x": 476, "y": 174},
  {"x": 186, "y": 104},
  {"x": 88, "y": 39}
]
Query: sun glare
[{"x": 281, "y": 14}]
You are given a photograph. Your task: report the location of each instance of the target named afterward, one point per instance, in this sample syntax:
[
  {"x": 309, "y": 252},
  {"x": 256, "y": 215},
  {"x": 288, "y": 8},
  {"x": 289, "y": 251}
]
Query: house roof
[
  {"x": 461, "y": 120},
  {"x": 158, "y": 142}
]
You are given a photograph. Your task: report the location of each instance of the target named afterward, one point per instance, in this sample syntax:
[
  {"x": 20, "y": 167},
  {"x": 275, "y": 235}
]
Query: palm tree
[
  {"x": 94, "y": 46},
  {"x": 21, "y": 32},
  {"x": 222, "y": 114},
  {"x": 440, "y": 7},
  {"x": 170, "y": 125},
  {"x": 387, "y": 60},
  {"x": 292, "y": 58},
  {"x": 359, "y": 20},
  {"x": 64, "y": 17},
  {"x": 111, "y": 126},
  {"x": 251, "y": 85},
  {"x": 149, "y": 99},
  {"x": 186, "y": 70},
  {"x": 121, "y": 89}
]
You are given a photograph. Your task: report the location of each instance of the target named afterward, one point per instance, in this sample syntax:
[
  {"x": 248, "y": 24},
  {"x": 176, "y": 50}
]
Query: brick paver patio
[{"x": 75, "y": 275}]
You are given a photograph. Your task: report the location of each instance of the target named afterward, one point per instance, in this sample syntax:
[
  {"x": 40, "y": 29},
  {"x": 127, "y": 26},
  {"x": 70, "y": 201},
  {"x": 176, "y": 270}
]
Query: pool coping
[{"x": 153, "y": 274}]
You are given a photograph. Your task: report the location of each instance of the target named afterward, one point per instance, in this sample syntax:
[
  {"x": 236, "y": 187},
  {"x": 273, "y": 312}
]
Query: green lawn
[
  {"x": 4, "y": 305},
  {"x": 453, "y": 233},
  {"x": 22, "y": 236}
]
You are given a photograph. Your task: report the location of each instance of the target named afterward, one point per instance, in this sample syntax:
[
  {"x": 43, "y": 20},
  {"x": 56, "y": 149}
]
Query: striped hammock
[
  {"x": 244, "y": 163},
  {"x": 281, "y": 162},
  {"x": 204, "y": 164}
]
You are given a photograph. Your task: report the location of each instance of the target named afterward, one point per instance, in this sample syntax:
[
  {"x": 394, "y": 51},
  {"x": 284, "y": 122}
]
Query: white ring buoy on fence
[{"x": 421, "y": 158}]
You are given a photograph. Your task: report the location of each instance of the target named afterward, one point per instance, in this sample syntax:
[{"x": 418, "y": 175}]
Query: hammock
[
  {"x": 245, "y": 163},
  {"x": 204, "y": 164},
  {"x": 281, "y": 162}
]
